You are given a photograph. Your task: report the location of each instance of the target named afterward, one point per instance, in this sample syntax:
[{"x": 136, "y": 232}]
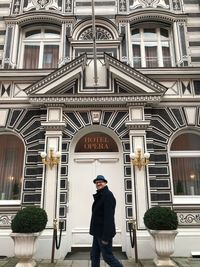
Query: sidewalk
[
  {"x": 11, "y": 262},
  {"x": 181, "y": 262}
]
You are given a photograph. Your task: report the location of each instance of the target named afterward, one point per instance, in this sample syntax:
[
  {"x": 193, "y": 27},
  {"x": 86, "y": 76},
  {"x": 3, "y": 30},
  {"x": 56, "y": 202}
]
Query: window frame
[
  {"x": 40, "y": 41},
  {"x": 158, "y": 41},
  {"x": 14, "y": 202},
  {"x": 183, "y": 199}
]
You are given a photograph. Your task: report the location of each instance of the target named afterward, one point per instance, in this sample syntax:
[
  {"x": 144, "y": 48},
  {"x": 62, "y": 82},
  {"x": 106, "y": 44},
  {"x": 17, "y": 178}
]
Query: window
[
  {"x": 151, "y": 47},
  {"x": 197, "y": 87},
  {"x": 11, "y": 167},
  {"x": 185, "y": 164},
  {"x": 40, "y": 48}
]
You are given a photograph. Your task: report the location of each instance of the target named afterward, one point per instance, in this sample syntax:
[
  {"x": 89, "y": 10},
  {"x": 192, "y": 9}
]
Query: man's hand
[{"x": 104, "y": 242}]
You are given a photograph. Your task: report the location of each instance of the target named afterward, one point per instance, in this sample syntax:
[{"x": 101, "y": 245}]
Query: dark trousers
[{"x": 106, "y": 250}]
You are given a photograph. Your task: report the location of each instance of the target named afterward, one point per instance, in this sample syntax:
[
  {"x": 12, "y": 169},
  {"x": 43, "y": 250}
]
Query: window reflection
[
  {"x": 41, "y": 48},
  {"x": 151, "y": 47},
  {"x": 185, "y": 163},
  {"x": 11, "y": 167},
  {"x": 186, "y": 176}
]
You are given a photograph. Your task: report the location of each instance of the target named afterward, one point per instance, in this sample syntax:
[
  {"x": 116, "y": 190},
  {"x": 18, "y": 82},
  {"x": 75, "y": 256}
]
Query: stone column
[
  {"x": 140, "y": 185},
  {"x": 51, "y": 176},
  {"x": 15, "y": 46}
]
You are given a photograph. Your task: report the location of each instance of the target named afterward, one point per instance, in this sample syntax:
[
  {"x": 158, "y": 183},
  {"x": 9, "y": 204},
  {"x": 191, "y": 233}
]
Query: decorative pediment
[
  {"x": 119, "y": 84},
  {"x": 59, "y": 80},
  {"x": 135, "y": 81}
]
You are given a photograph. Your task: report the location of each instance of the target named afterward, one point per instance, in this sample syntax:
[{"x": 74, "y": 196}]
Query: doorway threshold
[{"x": 83, "y": 253}]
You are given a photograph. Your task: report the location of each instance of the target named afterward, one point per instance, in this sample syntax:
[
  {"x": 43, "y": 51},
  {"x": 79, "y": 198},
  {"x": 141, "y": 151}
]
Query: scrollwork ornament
[
  {"x": 42, "y": 4},
  {"x": 189, "y": 218},
  {"x": 5, "y": 220}
]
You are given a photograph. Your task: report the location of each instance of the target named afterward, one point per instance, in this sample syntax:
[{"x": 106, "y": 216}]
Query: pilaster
[
  {"x": 51, "y": 176},
  {"x": 140, "y": 186}
]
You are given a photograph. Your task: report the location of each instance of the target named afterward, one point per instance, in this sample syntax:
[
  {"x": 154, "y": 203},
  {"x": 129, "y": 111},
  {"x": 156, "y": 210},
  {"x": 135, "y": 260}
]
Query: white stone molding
[
  {"x": 191, "y": 115},
  {"x": 139, "y": 179},
  {"x": 51, "y": 178},
  {"x": 5, "y": 219},
  {"x": 187, "y": 218},
  {"x": 92, "y": 100},
  {"x": 3, "y": 116}
]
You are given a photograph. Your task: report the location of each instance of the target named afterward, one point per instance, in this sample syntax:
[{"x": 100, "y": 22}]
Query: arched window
[
  {"x": 11, "y": 166},
  {"x": 40, "y": 48},
  {"x": 101, "y": 34},
  {"x": 151, "y": 46},
  {"x": 185, "y": 164}
]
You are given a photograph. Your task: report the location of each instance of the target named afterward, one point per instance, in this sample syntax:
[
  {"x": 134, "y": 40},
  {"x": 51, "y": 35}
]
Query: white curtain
[
  {"x": 186, "y": 175},
  {"x": 11, "y": 167}
]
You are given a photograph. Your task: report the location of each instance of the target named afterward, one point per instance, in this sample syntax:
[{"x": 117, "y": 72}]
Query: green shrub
[
  {"x": 29, "y": 220},
  {"x": 160, "y": 218}
]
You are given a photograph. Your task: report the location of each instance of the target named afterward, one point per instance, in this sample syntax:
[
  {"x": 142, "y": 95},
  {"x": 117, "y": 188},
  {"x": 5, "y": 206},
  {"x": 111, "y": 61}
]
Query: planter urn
[
  {"x": 164, "y": 241},
  {"x": 25, "y": 247}
]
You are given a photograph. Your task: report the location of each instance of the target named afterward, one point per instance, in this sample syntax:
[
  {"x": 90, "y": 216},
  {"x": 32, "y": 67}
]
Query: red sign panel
[{"x": 96, "y": 142}]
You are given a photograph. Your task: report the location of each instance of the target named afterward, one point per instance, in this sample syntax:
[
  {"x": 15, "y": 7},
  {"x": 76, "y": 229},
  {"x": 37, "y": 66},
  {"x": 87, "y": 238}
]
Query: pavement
[{"x": 181, "y": 262}]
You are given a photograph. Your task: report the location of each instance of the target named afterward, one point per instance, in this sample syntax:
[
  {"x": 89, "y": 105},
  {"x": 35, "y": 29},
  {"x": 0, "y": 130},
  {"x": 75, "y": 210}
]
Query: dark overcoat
[{"x": 102, "y": 223}]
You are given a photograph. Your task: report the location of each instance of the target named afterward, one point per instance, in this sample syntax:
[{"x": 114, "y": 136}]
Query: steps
[{"x": 84, "y": 254}]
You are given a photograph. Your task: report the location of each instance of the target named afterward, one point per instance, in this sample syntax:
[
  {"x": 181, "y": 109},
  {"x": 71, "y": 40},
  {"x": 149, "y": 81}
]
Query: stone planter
[
  {"x": 24, "y": 248},
  {"x": 164, "y": 246}
]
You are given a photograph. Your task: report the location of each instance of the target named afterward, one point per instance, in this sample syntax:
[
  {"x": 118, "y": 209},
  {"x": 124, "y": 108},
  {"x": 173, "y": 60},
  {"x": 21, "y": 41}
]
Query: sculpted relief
[
  {"x": 149, "y": 3},
  {"x": 42, "y": 5}
]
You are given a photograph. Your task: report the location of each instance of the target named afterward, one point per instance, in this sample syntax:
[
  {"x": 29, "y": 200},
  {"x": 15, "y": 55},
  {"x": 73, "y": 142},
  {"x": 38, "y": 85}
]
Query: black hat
[{"x": 100, "y": 178}]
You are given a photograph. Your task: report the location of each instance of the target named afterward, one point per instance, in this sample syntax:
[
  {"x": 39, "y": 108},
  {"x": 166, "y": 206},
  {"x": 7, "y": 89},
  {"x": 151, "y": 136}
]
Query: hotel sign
[{"x": 96, "y": 142}]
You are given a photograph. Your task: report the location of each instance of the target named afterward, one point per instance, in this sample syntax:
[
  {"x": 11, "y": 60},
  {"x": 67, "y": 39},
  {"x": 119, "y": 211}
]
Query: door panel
[{"x": 81, "y": 196}]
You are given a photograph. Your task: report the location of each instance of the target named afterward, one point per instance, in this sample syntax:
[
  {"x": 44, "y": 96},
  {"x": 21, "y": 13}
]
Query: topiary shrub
[
  {"x": 29, "y": 220},
  {"x": 160, "y": 218}
]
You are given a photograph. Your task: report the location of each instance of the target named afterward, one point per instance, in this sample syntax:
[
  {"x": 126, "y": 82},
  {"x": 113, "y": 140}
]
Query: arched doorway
[{"x": 93, "y": 152}]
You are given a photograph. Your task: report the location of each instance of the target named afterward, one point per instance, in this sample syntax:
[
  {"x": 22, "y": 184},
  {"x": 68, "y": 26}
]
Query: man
[{"x": 102, "y": 225}]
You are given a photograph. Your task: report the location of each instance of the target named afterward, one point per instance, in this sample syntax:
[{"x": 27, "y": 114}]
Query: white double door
[{"x": 81, "y": 190}]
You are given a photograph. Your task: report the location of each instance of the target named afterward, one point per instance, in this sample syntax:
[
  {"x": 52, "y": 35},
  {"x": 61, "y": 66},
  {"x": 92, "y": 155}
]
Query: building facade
[{"x": 96, "y": 91}]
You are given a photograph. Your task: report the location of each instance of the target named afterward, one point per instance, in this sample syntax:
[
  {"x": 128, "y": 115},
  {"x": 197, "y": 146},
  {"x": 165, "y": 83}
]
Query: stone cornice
[
  {"x": 145, "y": 14},
  {"x": 190, "y": 72},
  {"x": 139, "y": 125},
  {"x": 94, "y": 100},
  {"x": 39, "y": 16},
  {"x": 59, "y": 126}
]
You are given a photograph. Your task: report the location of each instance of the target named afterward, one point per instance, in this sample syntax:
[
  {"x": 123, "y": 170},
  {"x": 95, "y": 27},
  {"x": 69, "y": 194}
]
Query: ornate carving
[
  {"x": 68, "y": 6},
  {"x": 5, "y": 220},
  {"x": 101, "y": 34},
  {"x": 149, "y": 3},
  {"x": 188, "y": 218},
  {"x": 122, "y": 6},
  {"x": 176, "y": 5},
  {"x": 42, "y": 5},
  {"x": 16, "y": 6}
]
